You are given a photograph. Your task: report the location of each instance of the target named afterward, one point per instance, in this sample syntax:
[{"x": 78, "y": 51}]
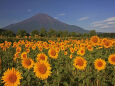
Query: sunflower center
[
  {"x": 89, "y": 47},
  {"x": 82, "y": 51},
  {"x": 16, "y": 55},
  {"x": 18, "y": 50},
  {"x": 53, "y": 52},
  {"x": 113, "y": 59},
  {"x": 42, "y": 68},
  {"x": 42, "y": 57},
  {"x": 80, "y": 62},
  {"x": 107, "y": 43},
  {"x": 24, "y": 55},
  {"x": 28, "y": 62},
  {"x": 12, "y": 78},
  {"x": 99, "y": 64},
  {"x": 95, "y": 40}
]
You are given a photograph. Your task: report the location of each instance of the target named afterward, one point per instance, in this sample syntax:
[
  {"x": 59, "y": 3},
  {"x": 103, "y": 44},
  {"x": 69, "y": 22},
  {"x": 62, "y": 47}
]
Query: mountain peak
[
  {"x": 43, "y": 20},
  {"x": 41, "y": 14}
]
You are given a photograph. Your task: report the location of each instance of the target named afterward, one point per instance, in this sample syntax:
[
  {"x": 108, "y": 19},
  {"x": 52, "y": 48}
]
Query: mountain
[{"x": 43, "y": 21}]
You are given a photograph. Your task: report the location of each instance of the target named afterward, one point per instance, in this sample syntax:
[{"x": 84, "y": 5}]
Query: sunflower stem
[
  {"x": 97, "y": 78},
  {"x": 46, "y": 82},
  {"x": 97, "y": 82}
]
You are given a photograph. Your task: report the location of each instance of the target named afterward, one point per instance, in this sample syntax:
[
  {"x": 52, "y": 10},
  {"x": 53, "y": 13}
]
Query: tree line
[{"x": 53, "y": 33}]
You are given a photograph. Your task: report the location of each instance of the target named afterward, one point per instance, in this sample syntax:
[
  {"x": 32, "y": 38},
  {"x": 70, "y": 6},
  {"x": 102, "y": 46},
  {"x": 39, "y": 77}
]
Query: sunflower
[
  {"x": 27, "y": 45},
  {"x": 71, "y": 50},
  {"x": 81, "y": 51},
  {"x": 53, "y": 53},
  {"x": 99, "y": 64},
  {"x": 65, "y": 53},
  {"x": 90, "y": 48},
  {"x": 80, "y": 63},
  {"x": 40, "y": 48},
  {"x": 95, "y": 40},
  {"x": 16, "y": 55},
  {"x": 27, "y": 50},
  {"x": 57, "y": 49},
  {"x": 111, "y": 59},
  {"x": 11, "y": 77},
  {"x": 107, "y": 43},
  {"x": 62, "y": 47},
  {"x": 33, "y": 47},
  {"x": 24, "y": 55},
  {"x": 18, "y": 49},
  {"x": 71, "y": 56},
  {"x": 42, "y": 69},
  {"x": 27, "y": 63},
  {"x": 41, "y": 56}
]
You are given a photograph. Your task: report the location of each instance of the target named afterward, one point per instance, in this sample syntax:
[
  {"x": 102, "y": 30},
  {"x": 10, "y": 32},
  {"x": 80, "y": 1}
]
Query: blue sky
[{"x": 89, "y": 14}]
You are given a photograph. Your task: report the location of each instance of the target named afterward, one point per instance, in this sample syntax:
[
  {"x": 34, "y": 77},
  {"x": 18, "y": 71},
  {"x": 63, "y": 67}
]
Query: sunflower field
[{"x": 69, "y": 62}]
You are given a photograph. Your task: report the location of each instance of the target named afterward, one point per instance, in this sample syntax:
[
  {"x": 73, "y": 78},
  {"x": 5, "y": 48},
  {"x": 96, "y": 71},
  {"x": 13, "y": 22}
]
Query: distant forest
[{"x": 53, "y": 33}]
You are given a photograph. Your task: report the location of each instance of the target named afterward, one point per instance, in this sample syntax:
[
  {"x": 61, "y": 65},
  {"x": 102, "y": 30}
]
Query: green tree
[
  {"x": 59, "y": 33},
  {"x": 65, "y": 33},
  {"x": 22, "y": 33},
  {"x": 9, "y": 33},
  {"x": 73, "y": 34},
  {"x": 43, "y": 32},
  {"x": 34, "y": 32},
  {"x": 92, "y": 32},
  {"x": 52, "y": 33}
]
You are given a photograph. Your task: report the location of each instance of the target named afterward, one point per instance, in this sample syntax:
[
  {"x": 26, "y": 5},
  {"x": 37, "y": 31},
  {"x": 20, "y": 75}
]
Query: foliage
[
  {"x": 43, "y": 32},
  {"x": 22, "y": 33},
  {"x": 34, "y": 32}
]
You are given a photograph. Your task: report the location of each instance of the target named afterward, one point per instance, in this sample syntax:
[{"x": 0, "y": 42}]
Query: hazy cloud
[
  {"x": 110, "y": 19},
  {"x": 61, "y": 14},
  {"x": 83, "y": 18},
  {"x": 105, "y": 24},
  {"x": 56, "y": 17},
  {"x": 29, "y": 10}
]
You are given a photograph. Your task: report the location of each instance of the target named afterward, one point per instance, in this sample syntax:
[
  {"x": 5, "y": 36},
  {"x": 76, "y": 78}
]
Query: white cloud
[
  {"x": 110, "y": 22},
  {"x": 110, "y": 19},
  {"x": 105, "y": 24},
  {"x": 83, "y": 18},
  {"x": 56, "y": 17},
  {"x": 61, "y": 14}
]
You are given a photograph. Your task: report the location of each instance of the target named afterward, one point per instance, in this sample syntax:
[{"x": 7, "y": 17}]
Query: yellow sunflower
[
  {"x": 99, "y": 64},
  {"x": 16, "y": 55},
  {"x": 41, "y": 56},
  {"x": 71, "y": 50},
  {"x": 107, "y": 43},
  {"x": 71, "y": 56},
  {"x": 90, "y": 48},
  {"x": 18, "y": 49},
  {"x": 33, "y": 47},
  {"x": 42, "y": 69},
  {"x": 111, "y": 59},
  {"x": 11, "y": 77},
  {"x": 95, "y": 40},
  {"x": 52, "y": 53},
  {"x": 65, "y": 53},
  {"x": 27, "y": 63},
  {"x": 27, "y": 50},
  {"x": 24, "y": 55},
  {"x": 80, "y": 63},
  {"x": 81, "y": 51}
]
